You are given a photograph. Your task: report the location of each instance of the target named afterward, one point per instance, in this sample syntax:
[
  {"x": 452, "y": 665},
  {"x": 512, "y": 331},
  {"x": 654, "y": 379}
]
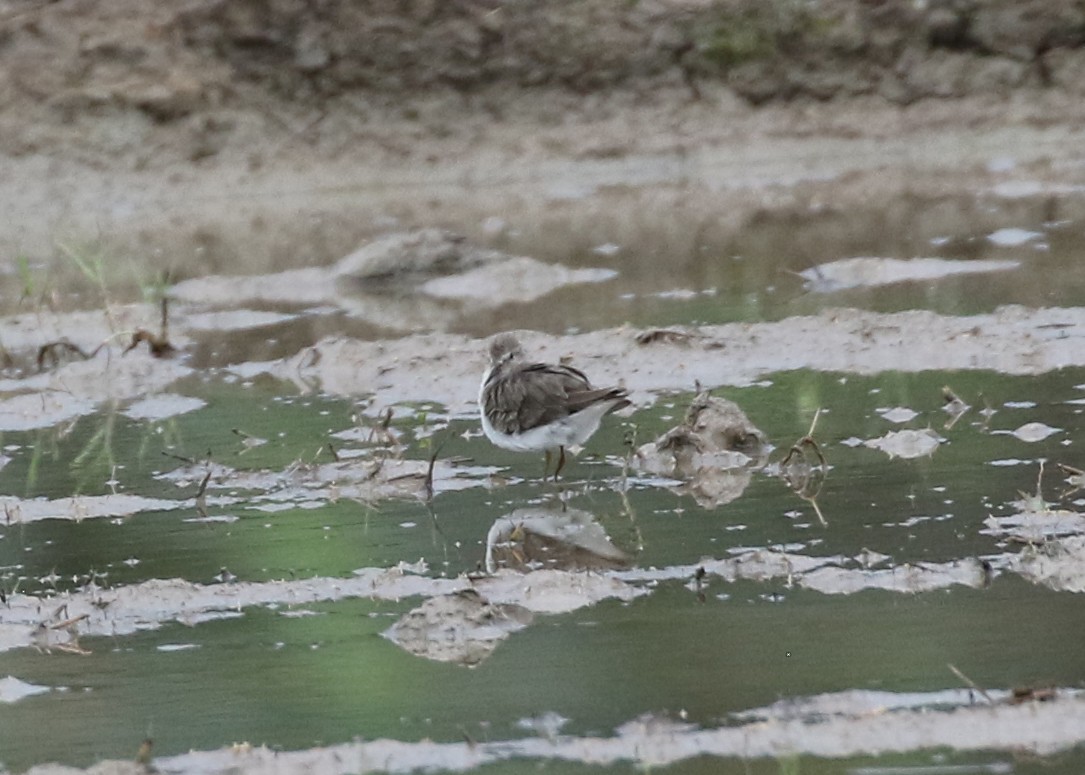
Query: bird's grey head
[{"x": 504, "y": 348}]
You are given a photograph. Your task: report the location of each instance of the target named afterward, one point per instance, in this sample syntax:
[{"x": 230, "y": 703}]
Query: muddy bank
[
  {"x": 254, "y": 139},
  {"x": 624, "y": 171},
  {"x": 839, "y": 726},
  {"x": 446, "y": 368},
  {"x": 120, "y": 81},
  {"x": 465, "y": 618}
]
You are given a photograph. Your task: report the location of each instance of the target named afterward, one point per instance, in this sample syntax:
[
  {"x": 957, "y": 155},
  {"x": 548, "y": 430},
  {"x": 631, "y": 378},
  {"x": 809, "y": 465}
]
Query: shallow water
[
  {"x": 677, "y": 271},
  {"x": 294, "y": 675},
  {"x": 733, "y": 647}
]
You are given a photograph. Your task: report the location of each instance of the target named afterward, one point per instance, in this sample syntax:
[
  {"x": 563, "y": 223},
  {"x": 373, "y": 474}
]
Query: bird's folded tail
[{"x": 582, "y": 399}]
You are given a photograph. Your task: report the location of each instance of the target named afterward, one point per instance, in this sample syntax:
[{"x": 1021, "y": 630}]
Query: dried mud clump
[
  {"x": 715, "y": 433},
  {"x": 404, "y": 256},
  {"x": 713, "y": 452}
]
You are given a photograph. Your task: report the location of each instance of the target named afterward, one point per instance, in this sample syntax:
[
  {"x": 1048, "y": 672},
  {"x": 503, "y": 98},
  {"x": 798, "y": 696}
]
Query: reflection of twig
[
  {"x": 182, "y": 458},
  {"x": 799, "y": 477},
  {"x": 801, "y": 487},
  {"x": 97, "y": 454},
  {"x": 248, "y": 441},
  {"x": 953, "y": 406},
  {"x": 428, "y": 484},
  {"x": 630, "y": 443},
  {"x": 1039, "y": 488},
  {"x": 68, "y": 625},
  {"x": 436, "y": 524},
  {"x": 201, "y": 495},
  {"x": 631, "y": 515},
  {"x": 1075, "y": 478},
  {"x": 164, "y": 322},
  {"x": 698, "y": 583},
  {"x": 143, "y": 756},
  {"x": 381, "y": 432},
  {"x": 971, "y": 684},
  {"x": 375, "y": 469},
  {"x": 798, "y": 448}
]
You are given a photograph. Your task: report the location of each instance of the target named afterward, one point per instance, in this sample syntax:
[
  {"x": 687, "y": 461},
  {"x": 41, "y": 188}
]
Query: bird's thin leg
[
  {"x": 561, "y": 462},
  {"x": 546, "y": 465}
]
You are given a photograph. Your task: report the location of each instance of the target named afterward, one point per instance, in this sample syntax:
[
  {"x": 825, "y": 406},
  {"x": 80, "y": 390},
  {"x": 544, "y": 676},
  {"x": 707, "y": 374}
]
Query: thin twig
[{"x": 971, "y": 684}]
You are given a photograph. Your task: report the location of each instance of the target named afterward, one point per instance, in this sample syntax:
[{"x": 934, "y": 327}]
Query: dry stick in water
[
  {"x": 160, "y": 345},
  {"x": 429, "y": 471},
  {"x": 799, "y": 448},
  {"x": 971, "y": 684},
  {"x": 51, "y": 348},
  {"x": 807, "y": 441},
  {"x": 1075, "y": 478},
  {"x": 953, "y": 405},
  {"x": 201, "y": 495}
]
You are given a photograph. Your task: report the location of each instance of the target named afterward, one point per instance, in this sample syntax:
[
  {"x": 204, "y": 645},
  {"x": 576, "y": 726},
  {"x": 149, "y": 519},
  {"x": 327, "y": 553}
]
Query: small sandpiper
[{"x": 528, "y": 407}]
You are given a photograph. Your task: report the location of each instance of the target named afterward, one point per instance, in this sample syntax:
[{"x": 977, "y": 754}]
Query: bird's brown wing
[{"x": 529, "y": 396}]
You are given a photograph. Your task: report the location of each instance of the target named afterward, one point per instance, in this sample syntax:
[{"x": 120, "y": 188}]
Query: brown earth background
[
  {"x": 247, "y": 136},
  {"x": 149, "y": 84}
]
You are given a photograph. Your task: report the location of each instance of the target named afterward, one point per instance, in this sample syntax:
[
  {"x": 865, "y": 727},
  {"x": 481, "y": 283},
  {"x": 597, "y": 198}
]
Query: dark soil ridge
[
  {"x": 215, "y": 67},
  {"x": 762, "y": 49}
]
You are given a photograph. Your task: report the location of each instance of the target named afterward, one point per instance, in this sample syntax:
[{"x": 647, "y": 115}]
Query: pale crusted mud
[
  {"x": 849, "y": 724},
  {"x": 857, "y": 272},
  {"x": 446, "y": 368},
  {"x": 464, "y": 619}
]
